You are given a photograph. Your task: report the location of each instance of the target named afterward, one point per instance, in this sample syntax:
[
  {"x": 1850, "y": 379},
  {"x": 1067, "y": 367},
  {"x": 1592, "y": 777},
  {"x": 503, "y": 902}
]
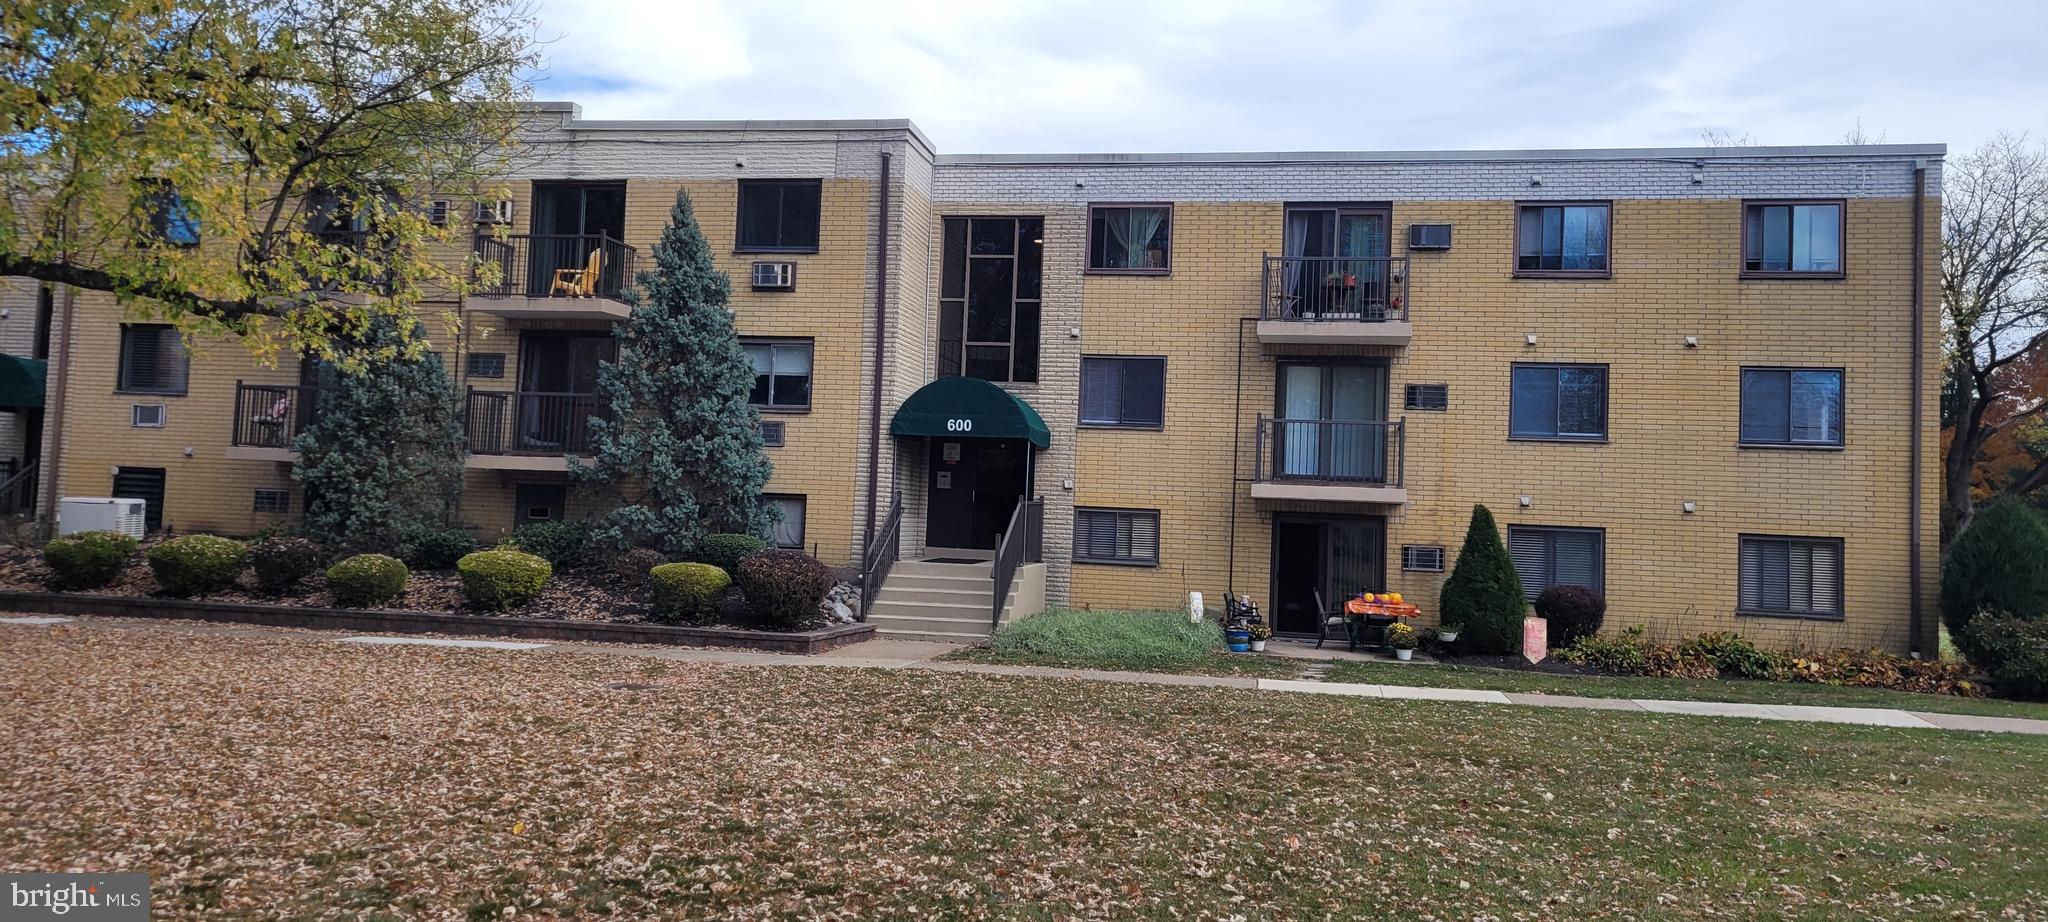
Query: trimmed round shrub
[
  {"x": 197, "y": 564},
  {"x": 2000, "y": 564},
  {"x": 2012, "y": 651},
  {"x": 281, "y": 562},
  {"x": 367, "y": 579},
  {"x": 634, "y": 565},
  {"x": 783, "y": 587},
  {"x": 562, "y": 543},
  {"x": 687, "y": 593},
  {"x": 501, "y": 579},
  {"x": 1573, "y": 612},
  {"x": 436, "y": 548},
  {"x": 726, "y": 551},
  {"x": 87, "y": 560},
  {"x": 1484, "y": 593}
]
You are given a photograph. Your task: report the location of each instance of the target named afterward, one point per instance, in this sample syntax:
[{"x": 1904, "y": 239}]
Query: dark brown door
[
  {"x": 950, "y": 481},
  {"x": 1340, "y": 557}
]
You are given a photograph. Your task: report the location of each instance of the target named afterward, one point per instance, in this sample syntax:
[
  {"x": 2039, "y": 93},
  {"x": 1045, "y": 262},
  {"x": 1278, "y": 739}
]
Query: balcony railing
[
  {"x": 1337, "y": 451},
  {"x": 1334, "y": 288},
  {"x": 553, "y": 265},
  {"x": 532, "y": 422},
  {"x": 272, "y": 415}
]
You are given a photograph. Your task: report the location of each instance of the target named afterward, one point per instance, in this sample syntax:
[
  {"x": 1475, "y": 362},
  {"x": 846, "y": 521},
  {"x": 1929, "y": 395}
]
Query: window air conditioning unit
[
  {"x": 498, "y": 212},
  {"x": 146, "y": 416},
  {"x": 1429, "y": 236},
  {"x": 100, "y": 513},
  {"x": 775, "y": 276}
]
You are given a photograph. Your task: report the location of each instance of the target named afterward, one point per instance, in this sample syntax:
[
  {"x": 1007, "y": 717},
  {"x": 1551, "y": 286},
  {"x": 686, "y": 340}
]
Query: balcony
[
  {"x": 529, "y": 430},
  {"x": 553, "y": 276},
  {"x": 1334, "y": 300},
  {"x": 268, "y": 417},
  {"x": 1331, "y": 460}
]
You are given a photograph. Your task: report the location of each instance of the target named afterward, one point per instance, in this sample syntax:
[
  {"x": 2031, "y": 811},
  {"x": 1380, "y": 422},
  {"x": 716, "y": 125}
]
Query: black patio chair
[{"x": 1326, "y": 616}]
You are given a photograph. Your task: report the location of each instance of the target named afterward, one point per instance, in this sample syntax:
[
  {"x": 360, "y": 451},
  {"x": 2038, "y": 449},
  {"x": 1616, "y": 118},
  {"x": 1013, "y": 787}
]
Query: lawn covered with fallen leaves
[{"x": 298, "y": 777}]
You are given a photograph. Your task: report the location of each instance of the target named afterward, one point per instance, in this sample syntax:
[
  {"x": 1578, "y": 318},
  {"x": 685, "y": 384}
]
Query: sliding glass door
[{"x": 1330, "y": 424}]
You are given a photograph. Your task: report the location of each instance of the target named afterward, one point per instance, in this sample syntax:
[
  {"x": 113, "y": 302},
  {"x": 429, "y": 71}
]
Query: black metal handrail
[
  {"x": 1334, "y": 288},
  {"x": 880, "y": 556},
  {"x": 18, "y": 491},
  {"x": 1372, "y": 452},
  {"x": 552, "y": 265},
  {"x": 531, "y": 422},
  {"x": 1022, "y": 542},
  {"x": 272, "y": 415}
]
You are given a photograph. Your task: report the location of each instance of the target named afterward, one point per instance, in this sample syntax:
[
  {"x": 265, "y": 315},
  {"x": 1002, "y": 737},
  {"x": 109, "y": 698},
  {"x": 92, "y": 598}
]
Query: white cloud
[{"x": 1251, "y": 75}]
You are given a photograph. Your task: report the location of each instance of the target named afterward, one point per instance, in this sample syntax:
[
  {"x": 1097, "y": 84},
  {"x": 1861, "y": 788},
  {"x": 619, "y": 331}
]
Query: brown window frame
[
  {"x": 1842, "y": 232},
  {"x": 739, "y": 216},
  {"x": 1841, "y": 546},
  {"x": 122, "y": 385},
  {"x": 1515, "y": 241},
  {"x": 810, "y": 392},
  {"x": 1158, "y": 537},
  {"x": 1091, "y": 269}
]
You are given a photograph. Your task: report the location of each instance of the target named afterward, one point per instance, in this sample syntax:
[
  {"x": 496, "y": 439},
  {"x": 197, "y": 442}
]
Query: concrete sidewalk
[{"x": 908, "y": 654}]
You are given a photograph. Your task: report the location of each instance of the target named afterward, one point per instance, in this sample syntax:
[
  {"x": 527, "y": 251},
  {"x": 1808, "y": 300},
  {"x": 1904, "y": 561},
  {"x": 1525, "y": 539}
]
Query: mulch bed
[{"x": 1551, "y": 664}]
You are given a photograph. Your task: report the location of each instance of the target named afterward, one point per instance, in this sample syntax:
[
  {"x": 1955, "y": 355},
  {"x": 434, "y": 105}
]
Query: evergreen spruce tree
[
  {"x": 682, "y": 452},
  {"x": 1484, "y": 593},
  {"x": 383, "y": 458}
]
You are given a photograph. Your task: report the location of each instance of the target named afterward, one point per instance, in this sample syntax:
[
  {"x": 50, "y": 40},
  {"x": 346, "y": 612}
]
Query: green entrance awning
[
  {"x": 969, "y": 408},
  {"x": 21, "y": 383}
]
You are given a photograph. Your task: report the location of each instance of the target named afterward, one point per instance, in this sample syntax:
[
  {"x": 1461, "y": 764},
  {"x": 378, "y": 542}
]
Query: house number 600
[{"x": 959, "y": 425}]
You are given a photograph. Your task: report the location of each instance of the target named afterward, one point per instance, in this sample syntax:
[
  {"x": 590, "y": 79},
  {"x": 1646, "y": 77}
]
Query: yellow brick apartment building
[{"x": 1703, "y": 381}]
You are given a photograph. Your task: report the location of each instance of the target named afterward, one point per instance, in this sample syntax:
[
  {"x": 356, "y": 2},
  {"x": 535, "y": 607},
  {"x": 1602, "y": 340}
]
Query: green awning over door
[
  {"x": 21, "y": 382},
  {"x": 969, "y": 408}
]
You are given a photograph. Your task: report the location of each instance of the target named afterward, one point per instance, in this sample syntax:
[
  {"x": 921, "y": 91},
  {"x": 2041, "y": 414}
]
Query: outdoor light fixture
[
  {"x": 1530, "y": 338},
  {"x": 1535, "y": 180},
  {"x": 1689, "y": 506},
  {"x": 1524, "y": 498},
  {"x": 1692, "y": 342}
]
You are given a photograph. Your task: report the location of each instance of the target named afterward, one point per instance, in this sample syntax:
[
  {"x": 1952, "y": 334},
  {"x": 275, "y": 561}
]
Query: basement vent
[
  {"x": 1428, "y": 397},
  {"x": 771, "y": 433},
  {"x": 487, "y": 364},
  {"x": 1429, "y": 236},
  {"x": 146, "y": 415},
  {"x": 1427, "y": 558}
]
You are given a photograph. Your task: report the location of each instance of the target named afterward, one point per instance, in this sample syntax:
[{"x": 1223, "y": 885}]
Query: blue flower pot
[
  {"x": 1239, "y": 641},
  {"x": 1240, "y": 646}
]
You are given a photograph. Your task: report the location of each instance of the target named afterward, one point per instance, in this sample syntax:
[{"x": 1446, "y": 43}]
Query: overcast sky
[{"x": 988, "y": 76}]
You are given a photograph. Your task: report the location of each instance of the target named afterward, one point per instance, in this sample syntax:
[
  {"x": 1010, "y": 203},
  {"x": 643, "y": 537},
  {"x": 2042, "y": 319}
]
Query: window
[
  {"x": 1561, "y": 240},
  {"x": 1425, "y": 558},
  {"x": 771, "y": 433},
  {"x": 1120, "y": 536},
  {"x": 782, "y": 374},
  {"x": 789, "y": 529},
  {"x": 171, "y": 220},
  {"x": 487, "y": 364},
  {"x": 1558, "y": 402},
  {"x": 1792, "y": 238},
  {"x": 273, "y": 500},
  {"x": 1546, "y": 557},
  {"x": 1123, "y": 392},
  {"x": 988, "y": 298},
  {"x": 1129, "y": 238},
  {"x": 1792, "y": 406},
  {"x": 1428, "y": 397},
  {"x": 153, "y": 359},
  {"x": 779, "y": 215},
  {"x": 539, "y": 502},
  {"x": 1799, "y": 577}
]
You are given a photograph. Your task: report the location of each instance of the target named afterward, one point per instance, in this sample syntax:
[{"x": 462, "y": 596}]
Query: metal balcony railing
[
  {"x": 531, "y": 422},
  {"x": 553, "y": 265},
  {"x": 1334, "y": 288},
  {"x": 1352, "y": 452},
  {"x": 272, "y": 415}
]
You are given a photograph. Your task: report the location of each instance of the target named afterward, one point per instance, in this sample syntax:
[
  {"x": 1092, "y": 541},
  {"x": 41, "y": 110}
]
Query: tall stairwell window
[{"x": 989, "y": 290}]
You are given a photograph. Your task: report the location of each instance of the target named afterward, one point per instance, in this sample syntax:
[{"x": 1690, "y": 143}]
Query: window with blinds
[
  {"x": 1546, "y": 557},
  {"x": 1123, "y": 392},
  {"x": 152, "y": 359},
  {"x": 1798, "y": 577},
  {"x": 1120, "y": 536}
]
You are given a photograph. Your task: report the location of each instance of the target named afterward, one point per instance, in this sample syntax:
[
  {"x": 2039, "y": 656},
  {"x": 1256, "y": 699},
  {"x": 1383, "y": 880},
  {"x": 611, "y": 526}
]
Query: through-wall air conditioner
[
  {"x": 146, "y": 416},
  {"x": 100, "y": 513},
  {"x": 498, "y": 212},
  {"x": 774, "y": 275},
  {"x": 1429, "y": 236}
]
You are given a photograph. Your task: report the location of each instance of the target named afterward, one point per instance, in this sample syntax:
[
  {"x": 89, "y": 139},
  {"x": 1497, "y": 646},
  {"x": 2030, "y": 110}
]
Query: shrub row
[{"x": 1723, "y": 654}]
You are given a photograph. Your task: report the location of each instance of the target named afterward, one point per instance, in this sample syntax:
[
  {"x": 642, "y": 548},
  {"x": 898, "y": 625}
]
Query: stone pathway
[{"x": 908, "y": 654}]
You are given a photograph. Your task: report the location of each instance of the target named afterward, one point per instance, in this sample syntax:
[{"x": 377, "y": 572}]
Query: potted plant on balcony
[
  {"x": 1259, "y": 633},
  {"x": 1403, "y": 639}
]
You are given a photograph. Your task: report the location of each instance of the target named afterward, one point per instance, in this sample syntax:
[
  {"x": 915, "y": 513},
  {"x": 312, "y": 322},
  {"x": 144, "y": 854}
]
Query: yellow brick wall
[{"x": 1673, "y": 412}]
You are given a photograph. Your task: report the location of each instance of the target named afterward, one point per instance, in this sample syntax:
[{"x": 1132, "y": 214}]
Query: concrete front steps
[{"x": 940, "y": 602}]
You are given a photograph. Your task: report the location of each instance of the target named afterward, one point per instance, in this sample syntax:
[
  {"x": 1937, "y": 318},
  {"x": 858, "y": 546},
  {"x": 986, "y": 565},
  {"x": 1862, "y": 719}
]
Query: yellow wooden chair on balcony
[{"x": 579, "y": 283}]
